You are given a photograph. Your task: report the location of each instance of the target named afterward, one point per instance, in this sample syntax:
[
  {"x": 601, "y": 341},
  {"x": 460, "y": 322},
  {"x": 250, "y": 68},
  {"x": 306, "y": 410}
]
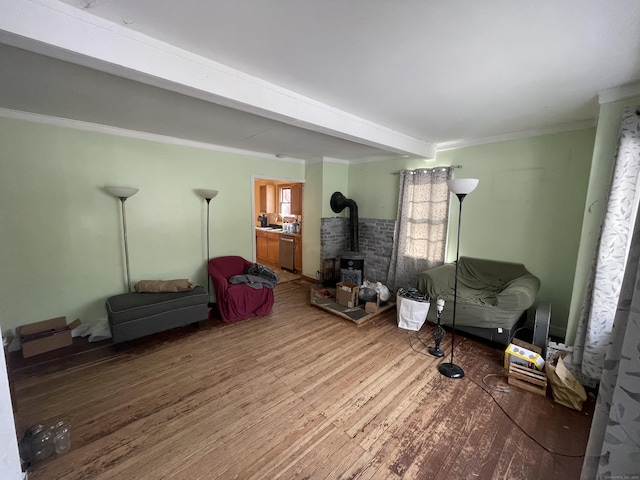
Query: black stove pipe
[{"x": 338, "y": 203}]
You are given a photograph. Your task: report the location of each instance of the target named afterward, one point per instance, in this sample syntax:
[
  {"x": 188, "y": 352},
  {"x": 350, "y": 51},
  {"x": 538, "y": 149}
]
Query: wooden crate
[{"x": 527, "y": 379}]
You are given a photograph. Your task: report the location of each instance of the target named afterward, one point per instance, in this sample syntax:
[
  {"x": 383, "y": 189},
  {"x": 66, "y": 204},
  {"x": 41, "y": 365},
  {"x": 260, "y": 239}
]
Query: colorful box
[{"x": 523, "y": 353}]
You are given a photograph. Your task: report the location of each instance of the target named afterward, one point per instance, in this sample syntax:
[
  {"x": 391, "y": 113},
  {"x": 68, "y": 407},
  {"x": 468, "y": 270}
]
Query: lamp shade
[
  {"x": 207, "y": 194},
  {"x": 122, "y": 192},
  {"x": 462, "y": 186}
]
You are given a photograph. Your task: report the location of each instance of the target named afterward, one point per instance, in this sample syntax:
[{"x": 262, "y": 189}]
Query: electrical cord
[
  {"x": 488, "y": 392},
  {"x": 422, "y": 341},
  {"x": 513, "y": 420},
  {"x": 513, "y": 334}
]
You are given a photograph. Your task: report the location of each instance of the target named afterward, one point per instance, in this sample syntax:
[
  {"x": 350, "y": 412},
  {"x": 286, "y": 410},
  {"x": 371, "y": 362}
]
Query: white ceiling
[{"x": 370, "y": 79}]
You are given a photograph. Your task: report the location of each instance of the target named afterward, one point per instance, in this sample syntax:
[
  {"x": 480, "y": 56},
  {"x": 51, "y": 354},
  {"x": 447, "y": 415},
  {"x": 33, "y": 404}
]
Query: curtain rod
[{"x": 444, "y": 167}]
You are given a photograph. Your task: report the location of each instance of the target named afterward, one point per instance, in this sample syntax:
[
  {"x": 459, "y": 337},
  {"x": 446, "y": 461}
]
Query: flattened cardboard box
[{"x": 41, "y": 337}]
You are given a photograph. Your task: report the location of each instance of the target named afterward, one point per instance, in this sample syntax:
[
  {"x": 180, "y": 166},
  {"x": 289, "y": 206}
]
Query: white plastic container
[{"x": 411, "y": 314}]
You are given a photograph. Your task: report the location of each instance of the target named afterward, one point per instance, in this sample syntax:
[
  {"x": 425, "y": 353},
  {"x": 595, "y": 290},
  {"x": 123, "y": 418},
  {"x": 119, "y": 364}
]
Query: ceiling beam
[{"x": 58, "y": 30}]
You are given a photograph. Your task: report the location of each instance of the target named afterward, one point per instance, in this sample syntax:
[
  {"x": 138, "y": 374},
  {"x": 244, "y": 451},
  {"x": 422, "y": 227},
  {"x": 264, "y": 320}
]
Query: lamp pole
[
  {"x": 450, "y": 369},
  {"x": 461, "y": 187},
  {"x": 208, "y": 195},
  {"x": 126, "y": 242},
  {"x": 123, "y": 193}
]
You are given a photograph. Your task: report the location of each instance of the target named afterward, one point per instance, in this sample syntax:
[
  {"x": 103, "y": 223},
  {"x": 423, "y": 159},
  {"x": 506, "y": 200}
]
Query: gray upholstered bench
[{"x": 135, "y": 315}]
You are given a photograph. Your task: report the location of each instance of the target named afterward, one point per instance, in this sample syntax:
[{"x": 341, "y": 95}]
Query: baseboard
[{"x": 556, "y": 331}]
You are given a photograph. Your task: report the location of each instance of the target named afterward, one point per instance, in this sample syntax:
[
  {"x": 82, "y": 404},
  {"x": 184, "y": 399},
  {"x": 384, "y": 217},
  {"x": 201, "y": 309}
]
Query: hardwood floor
[{"x": 298, "y": 394}]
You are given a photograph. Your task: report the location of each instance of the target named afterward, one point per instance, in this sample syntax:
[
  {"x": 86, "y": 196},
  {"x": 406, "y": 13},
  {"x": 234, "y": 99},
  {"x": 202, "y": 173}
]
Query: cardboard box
[
  {"x": 372, "y": 307},
  {"x": 41, "y": 337},
  {"x": 347, "y": 294},
  {"x": 553, "y": 348},
  {"x": 523, "y": 353}
]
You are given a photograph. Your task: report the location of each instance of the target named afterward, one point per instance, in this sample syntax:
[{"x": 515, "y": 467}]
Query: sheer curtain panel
[
  {"x": 613, "y": 449},
  {"x": 419, "y": 239},
  {"x": 607, "y": 270}
]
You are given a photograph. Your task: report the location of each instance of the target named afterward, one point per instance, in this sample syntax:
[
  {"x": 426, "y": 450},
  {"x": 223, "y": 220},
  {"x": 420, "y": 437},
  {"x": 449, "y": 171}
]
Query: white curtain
[
  {"x": 613, "y": 449},
  {"x": 603, "y": 291},
  {"x": 419, "y": 239}
]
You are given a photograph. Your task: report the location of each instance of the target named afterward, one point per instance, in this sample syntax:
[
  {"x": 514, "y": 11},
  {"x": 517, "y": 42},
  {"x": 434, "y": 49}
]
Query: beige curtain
[{"x": 419, "y": 239}]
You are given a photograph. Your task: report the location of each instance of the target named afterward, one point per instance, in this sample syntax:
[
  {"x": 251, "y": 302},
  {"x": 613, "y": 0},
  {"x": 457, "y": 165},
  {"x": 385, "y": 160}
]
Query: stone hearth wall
[{"x": 376, "y": 243}]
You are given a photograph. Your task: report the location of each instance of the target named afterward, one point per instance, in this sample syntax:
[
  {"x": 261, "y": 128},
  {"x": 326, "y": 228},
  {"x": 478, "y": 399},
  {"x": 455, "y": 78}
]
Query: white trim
[
  {"x": 336, "y": 160},
  {"x": 257, "y": 176},
  {"x": 618, "y": 93},
  {"x": 122, "y": 132},
  {"x": 53, "y": 28},
  {"x": 565, "y": 127},
  {"x": 314, "y": 160},
  {"x": 392, "y": 157}
]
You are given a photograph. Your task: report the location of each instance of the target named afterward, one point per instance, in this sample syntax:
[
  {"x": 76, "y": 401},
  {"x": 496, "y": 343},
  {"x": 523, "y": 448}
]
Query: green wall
[
  {"x": 61, "y": 233},
  {"x": 335, "y": 178},
  {"x": 61, "y": 237},
  {"x": 604, "y": 151},
  {"x": 527, "y": 208},
  {"x": 312, "y": 203},
  {"x": 374, "y": 187}
]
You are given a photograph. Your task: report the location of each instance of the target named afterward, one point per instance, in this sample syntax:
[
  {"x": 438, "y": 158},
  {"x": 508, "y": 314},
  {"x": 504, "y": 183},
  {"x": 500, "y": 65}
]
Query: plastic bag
[
  {"x": 411, "y": 314},
  {"x": 566, "y": 389}
]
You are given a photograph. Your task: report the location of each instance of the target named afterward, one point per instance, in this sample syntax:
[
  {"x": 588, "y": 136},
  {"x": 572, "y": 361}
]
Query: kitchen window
[{"x": 285, "y": 201}]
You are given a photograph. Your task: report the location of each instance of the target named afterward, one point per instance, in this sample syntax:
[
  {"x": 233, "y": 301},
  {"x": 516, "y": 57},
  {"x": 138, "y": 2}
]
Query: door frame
[{"x": 254, "y": 214}]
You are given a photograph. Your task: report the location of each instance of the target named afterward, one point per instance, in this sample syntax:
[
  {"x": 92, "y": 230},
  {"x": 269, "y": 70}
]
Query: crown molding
[
  {"x": 565, "y": 127},
  {"x": 618, "y": 93},
  {"x": 123, "y": 132}
]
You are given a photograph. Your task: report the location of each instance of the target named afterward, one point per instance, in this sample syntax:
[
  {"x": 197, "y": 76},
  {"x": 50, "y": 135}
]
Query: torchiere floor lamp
[
  {"x": 461, "y": 187},
  {"x": 123, "y": 193},
  {"x": 208, "y": 195}
]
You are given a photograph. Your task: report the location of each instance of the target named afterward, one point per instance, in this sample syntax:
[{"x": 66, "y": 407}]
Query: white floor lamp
[
  {"x": 123, "y": 193},
  {"x": 207, "y": 195},
  {"x": 461, "y": 187}
]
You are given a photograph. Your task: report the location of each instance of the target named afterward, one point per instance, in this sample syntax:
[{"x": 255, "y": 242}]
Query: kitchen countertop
[
  {"x": 269, "y": 229},
  {"x": 277, "y": 230}
]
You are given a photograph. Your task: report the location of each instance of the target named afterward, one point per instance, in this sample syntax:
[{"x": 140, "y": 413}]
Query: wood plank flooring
[{"x": 298, "y": 394}]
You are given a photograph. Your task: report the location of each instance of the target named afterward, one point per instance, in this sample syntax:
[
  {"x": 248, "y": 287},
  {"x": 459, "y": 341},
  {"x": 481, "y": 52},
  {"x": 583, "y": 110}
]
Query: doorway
[{"x": 277, "y": 215}]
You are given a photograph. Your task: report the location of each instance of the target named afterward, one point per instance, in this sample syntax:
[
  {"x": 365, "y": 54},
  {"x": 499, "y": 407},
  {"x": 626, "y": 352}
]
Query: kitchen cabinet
[
  {"x": 268, "y": 247},
  {"x": 268, "y": 198},
  {"x": 273, "y": 248},
  {"x": 297, "y": 253},
  {"x": 296, "y": 199},
  {"x": 261, "y": 247}
]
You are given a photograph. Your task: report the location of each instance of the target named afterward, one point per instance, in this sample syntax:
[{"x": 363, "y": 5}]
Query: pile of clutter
[{"x": 370, "y": 292}]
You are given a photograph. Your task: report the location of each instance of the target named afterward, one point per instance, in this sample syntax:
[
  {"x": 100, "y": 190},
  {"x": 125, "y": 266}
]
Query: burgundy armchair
[{"x": 237, "y": 301}]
